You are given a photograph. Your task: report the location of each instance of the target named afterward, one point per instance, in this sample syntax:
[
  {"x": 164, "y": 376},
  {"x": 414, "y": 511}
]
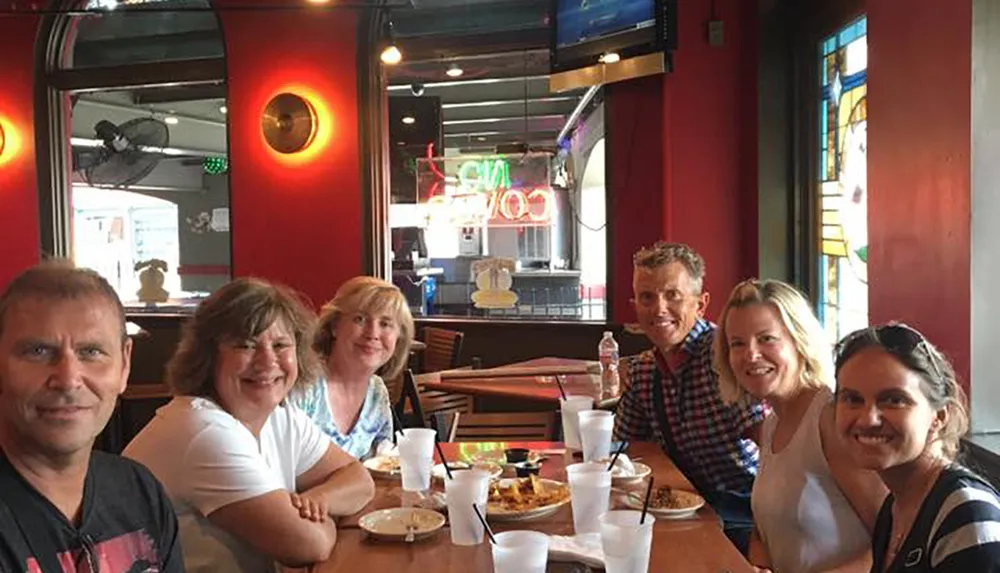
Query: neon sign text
[{"x": 485, "y": 195}]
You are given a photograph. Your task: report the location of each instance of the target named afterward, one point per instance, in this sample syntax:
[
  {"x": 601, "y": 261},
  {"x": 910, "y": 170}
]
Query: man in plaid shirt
[{"x": 672, "y": 394}]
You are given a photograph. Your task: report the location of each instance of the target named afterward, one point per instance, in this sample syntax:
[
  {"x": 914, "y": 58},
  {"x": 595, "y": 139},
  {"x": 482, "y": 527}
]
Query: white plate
[
  {"x": 641, "y": 472},
  {"x": 437, "y": 472},
  {"x": 379, "y": 466},
  {"x": 534, "y": 513},
  {"x": 391, "y": 524},
  {"x": 634, "y": 501}
]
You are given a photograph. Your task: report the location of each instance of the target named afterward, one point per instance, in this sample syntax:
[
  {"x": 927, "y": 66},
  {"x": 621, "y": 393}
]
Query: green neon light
[{"x": 487, "y": 175}]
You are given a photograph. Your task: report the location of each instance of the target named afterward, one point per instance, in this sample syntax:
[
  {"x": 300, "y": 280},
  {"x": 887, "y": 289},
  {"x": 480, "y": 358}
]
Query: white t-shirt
[{"x": 206, "y": 460}]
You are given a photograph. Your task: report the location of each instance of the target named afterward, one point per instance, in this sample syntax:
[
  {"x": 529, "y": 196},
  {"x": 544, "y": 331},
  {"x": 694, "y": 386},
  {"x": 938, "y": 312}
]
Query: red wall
[
  {"x": 919, "y": 134},
  {"x": 294, "y": 220},
  {"x": 702, "y": 175},
  {"x": 18, "y": 178}
]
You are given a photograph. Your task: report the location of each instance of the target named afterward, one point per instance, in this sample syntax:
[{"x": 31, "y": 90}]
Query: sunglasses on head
[{"x": 896, "y": 338}]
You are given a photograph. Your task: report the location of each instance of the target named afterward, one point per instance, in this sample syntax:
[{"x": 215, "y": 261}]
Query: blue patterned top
[{"x": 374, "y": 424}]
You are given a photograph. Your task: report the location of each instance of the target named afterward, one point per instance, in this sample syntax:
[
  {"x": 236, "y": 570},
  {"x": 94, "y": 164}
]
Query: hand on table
[{"x": 311, "y": 508}]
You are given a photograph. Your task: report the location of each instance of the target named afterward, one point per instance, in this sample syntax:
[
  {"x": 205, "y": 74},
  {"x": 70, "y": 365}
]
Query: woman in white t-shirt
[
  {"x": 813, "y": 509},
  {"x": 253, "y": 481},
  {"x": 366, "y": 328}
]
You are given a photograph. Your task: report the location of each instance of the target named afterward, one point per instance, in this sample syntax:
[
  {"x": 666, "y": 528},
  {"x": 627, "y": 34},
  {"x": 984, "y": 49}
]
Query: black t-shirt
[
  {"x": 127, "y": 524},
  {"x": 957, "y": 529}
]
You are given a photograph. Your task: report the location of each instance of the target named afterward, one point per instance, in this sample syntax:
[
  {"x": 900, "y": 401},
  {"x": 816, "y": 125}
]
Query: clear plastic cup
[
  {"x": 589, "y": 494},
  {"x": 416, "y": 456},
  {"x": 596, "y": 427},
  {"x": 466, "y": 488},
  {"x": 626, "y": 543},
  {"x": 570, "y": 406},
  {"x": 520, "y": 552}
]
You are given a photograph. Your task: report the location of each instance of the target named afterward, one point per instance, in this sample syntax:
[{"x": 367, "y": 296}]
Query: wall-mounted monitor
[{"x": 584, "y": 30}]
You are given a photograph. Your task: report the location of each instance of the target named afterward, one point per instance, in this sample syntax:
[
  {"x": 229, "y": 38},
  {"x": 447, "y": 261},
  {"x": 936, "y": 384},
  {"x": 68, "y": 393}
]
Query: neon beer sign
[{"x": 481, "y": 192}]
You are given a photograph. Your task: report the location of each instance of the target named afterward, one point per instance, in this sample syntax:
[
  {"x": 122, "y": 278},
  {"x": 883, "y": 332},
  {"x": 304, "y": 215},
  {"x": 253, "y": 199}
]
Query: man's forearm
[{"x": 346, "y": 491}]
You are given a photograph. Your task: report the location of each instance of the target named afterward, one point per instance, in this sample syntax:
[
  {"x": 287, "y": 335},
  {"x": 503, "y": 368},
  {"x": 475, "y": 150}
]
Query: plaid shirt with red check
[{"x": 704, "y": 435}]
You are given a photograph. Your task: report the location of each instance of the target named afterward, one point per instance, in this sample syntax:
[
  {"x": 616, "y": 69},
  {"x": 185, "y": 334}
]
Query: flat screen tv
[{"x": 583, "y": 30}]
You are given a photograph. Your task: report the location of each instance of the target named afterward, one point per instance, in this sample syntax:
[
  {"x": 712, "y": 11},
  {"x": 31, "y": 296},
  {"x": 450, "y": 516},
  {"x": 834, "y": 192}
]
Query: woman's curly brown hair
[{"x": 240, "y": 310}]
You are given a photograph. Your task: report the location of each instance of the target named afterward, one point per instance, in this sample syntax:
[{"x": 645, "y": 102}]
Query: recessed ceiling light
[
  {"x": 409, "y": 119},
  {"x": 454, "y": 71},
  {"x": 223, "y": 109},
  {"x": 318, "y": 1},
  {"x": 481, "y": 138},
  {"x": 171, "y": 120},
  {"x": 391, "y": 55},
  {"x": 610, "y": 58}
]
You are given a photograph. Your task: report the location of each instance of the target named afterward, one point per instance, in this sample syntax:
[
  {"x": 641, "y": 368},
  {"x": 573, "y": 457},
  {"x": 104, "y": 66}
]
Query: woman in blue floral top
[{"x": 366, "y": 328}]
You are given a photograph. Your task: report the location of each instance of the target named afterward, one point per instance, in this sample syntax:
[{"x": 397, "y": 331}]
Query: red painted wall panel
[
  {"x": 711, "y": 133},
  {"x": 919, "y": 198},
  {"x": 296, "y": 220},
  {"x": 700, "y": 147}
]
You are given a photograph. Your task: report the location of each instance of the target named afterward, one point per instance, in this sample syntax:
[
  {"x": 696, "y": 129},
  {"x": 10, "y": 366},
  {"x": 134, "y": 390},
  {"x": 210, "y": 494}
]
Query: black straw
[
  {"x": 486, "y": 526},
  {"x": 562, "y": 391},
  {"x": 399, "y": 424},
  {"x": 621, "y": 448},
  {"x": 645, "y": 504},
  {"x": 444, "y": 462}
]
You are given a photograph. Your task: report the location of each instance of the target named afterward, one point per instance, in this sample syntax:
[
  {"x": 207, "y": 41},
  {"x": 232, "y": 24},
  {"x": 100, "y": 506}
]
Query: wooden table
[
  {"x": 695, "y": 545},
  {"x": 541, "y": 389}
]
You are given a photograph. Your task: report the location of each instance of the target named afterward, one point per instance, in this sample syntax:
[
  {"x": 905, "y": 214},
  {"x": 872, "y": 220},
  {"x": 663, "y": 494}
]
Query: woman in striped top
[{"x": 902, "y": 414}]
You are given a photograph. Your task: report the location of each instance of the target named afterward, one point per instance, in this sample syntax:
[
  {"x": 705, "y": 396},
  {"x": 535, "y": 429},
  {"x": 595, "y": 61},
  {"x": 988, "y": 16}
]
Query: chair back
[
  {"x": 501, "y": 427},
  {"x": 444, "y": 348}
]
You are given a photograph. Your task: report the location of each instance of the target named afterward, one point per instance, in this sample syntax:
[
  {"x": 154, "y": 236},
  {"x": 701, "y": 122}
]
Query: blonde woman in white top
[{"x": 813, "y": 509}]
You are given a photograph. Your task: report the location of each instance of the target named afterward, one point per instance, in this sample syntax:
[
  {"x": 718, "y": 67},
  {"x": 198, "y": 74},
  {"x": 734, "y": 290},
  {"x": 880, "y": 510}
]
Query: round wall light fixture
[{"x": 289, "y": 123}]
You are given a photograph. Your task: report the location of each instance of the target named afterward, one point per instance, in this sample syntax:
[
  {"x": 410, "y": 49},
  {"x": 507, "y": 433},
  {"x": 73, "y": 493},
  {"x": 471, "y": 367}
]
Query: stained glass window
[{"x": 843, "y": 179}]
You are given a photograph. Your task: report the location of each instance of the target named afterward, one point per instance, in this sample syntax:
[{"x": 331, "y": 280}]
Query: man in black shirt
[{"x": 64, "y": 359}]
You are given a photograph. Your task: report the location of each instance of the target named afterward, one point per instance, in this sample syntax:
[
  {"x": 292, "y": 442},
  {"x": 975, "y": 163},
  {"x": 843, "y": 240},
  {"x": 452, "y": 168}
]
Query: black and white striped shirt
[{"x": 957, "y": 529}]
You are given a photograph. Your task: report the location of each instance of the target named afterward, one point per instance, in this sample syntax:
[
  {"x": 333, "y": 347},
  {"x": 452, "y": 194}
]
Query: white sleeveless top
[{"x": 803, "y": 518}]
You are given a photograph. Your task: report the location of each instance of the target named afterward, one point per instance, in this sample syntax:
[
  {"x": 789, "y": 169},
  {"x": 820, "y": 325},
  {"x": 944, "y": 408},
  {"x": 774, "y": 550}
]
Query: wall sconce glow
[
  {"x": 454, "y": 71},
  {"x": 289, "y": 123},
  {"x": 409, "y": 120},
  {"x": 391, "y": 55},
  {"x": 610, "y": 58},
  {"x": 322, "y": 124},
  {"x": 10, "y": 141}
]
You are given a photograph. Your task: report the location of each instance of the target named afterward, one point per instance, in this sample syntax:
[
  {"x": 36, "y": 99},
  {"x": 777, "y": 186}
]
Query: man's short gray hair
[{"x": 663, "y": 253}]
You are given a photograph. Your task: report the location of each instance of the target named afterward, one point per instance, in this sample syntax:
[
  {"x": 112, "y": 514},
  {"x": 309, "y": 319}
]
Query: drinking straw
[
  {"x": 486, "y": 526},
  {"x": 444, "y": 462},
  {"x": 399, "y": 424},
  {"x": 645, "y": 504},
  {"x": 562, "y": 391},
  {"x": 621, "y": 448}
]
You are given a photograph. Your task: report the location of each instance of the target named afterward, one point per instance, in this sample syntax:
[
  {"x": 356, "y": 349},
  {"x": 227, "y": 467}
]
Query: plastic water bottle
[{"x": 607, "y": 352}]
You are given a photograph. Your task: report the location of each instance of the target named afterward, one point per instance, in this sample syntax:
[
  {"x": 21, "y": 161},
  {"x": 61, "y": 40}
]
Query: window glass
[
  {"x": 117, "y": 32},
  {"x": 150, "y": 191},
  {"x": 493, "y": 213},
  {"x": 843, "y": 179}
]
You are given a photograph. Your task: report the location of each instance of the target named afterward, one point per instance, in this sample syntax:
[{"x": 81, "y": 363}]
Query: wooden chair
[
  {"x": 505, "y": 427},
  {"x": 444, "y": 347}
]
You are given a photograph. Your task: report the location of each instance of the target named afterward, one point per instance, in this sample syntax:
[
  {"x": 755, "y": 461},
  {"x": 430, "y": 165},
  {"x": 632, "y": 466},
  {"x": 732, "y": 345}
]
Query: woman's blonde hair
[
  {"x": 240, "y": 310},
  {"x": 369, "y": 295},
  {"x": 811, "y": 342}
]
